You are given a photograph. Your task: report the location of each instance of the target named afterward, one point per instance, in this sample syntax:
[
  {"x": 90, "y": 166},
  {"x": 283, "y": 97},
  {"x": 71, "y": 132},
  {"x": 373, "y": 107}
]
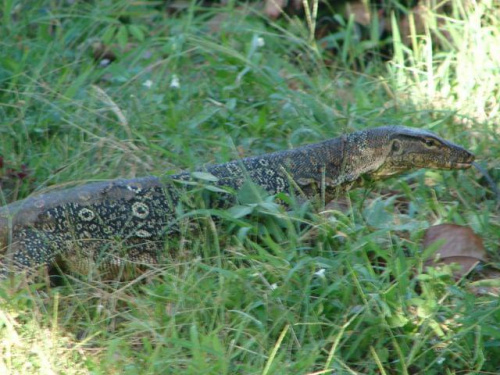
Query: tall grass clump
[{"x": 453, "y": 62}]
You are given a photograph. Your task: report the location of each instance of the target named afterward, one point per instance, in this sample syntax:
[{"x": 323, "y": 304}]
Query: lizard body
[{"x": 85, "y": 225}]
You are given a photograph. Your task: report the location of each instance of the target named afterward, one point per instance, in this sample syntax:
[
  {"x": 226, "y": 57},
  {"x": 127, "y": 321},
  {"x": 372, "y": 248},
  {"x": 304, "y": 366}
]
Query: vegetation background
[{"x": 93, "y": 90}]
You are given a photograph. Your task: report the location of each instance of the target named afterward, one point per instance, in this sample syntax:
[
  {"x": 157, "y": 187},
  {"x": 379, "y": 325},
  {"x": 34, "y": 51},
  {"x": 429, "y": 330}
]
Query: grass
[{"x": 261, "y": 292}]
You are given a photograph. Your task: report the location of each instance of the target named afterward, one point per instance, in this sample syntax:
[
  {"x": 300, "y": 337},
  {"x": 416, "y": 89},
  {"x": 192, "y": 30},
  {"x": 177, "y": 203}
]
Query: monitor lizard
[{"x": 84, "y": 225}]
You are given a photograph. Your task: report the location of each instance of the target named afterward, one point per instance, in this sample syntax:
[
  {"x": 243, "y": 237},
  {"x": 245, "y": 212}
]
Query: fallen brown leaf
[
  {"x": 273, "y": 8},
  {"x": 360, "y": 11},
  {"x": 460, "y": 245}
]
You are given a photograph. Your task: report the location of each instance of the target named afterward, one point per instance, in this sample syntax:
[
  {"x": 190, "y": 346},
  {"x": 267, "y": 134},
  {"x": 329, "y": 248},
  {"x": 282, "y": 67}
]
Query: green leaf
[
  {"x": 251, "y": 193},
  {"x": 205, "y": 176},
  {"x": 240, "y": 211},
  {"x": 215, "y": 189},
  {"x": 377, "y": 214},
  {"x": 109, "y": 34},
  {"x": 270, "y": 206},
  {"x": 137, "y": 32},
  {"x": 397, "y": 320},
  {"x": 122, "y": 36}
]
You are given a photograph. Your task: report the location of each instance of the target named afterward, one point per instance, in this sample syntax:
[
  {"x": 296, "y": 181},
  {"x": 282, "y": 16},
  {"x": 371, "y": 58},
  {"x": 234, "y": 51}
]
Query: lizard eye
[
  {"x": 396, "y": 147},
  {"x": 431, "y": 143}
]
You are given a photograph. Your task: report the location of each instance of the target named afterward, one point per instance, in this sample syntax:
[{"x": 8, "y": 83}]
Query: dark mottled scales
[
  {"x": 104, "y": 223},
  {"x": 122, "y": 214}
]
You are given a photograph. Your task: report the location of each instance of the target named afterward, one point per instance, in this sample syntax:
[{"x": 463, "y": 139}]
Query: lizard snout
[{"x": 464, "y": 159}]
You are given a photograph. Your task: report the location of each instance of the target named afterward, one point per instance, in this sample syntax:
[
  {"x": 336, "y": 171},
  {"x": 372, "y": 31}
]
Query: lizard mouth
[
  {"x": 462, "y": 165},
  {"x": 448, "y": 166},
  {"x": 463, "y": 162}
]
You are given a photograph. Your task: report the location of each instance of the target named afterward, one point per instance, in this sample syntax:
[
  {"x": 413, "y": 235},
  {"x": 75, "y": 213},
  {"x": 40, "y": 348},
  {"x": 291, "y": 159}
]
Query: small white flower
[
  {"x": 260, "y": 42},
  {"x": 100, "y": 308},
  {"x": 175, "y": 84},
  {"x": 320, "y": 273},
  {"x": 273, "y": 286},
  {"x": 148, "y": 83}
]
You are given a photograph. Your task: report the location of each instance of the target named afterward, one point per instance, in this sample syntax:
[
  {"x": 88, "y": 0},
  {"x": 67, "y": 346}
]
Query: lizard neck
[
  {"x": 365, "y": 154},
  {"x": 347, "y": 162}
]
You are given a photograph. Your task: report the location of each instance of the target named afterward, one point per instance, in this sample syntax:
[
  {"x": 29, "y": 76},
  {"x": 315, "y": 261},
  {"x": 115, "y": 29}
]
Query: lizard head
[{"x": 408, "y": 148}]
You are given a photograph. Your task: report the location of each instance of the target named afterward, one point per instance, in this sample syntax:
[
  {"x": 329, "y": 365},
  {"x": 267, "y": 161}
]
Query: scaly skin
[{"x": 106, "y": 223}]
